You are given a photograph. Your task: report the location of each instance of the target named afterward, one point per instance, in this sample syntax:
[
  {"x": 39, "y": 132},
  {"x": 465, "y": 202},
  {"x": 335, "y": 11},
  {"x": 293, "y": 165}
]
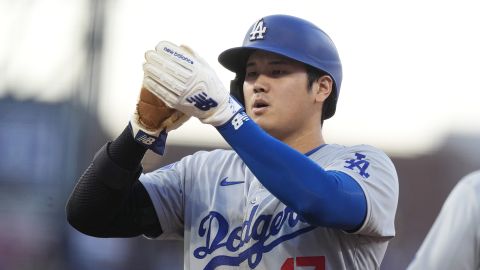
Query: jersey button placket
[
  {"x": 250, "y": 202},
  {"x": 253, "y": 194},
  {"x": 256, "y": 196},
  {"x": 258, "y": 193}
]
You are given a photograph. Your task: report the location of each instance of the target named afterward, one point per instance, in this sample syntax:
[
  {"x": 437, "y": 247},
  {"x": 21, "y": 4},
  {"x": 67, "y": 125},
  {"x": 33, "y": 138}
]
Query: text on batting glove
[{"x": 184, "y": 81}]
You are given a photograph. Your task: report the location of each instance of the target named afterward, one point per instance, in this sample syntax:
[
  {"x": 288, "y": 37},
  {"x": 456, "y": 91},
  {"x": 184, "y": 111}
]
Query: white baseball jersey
[
  {"x": 228, "y": 220},
  {"x": 453, "y": 242}
]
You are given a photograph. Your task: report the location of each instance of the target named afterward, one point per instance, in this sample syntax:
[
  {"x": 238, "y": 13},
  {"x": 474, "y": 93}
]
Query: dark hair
[{"x": 314, "y": 74}]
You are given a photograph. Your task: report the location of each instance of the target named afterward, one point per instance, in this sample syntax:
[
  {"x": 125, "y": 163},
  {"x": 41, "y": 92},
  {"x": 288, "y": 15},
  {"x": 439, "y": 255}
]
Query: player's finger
[
  {"x": 176, "y": 54},
  {"x": 166, "y": 65},
  {"x": 160, "y": 91},
  {"x": 164, "y": 78}
]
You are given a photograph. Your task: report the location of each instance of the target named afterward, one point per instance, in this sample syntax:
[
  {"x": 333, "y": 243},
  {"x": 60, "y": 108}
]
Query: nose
[{"x": 260, "y": 84}]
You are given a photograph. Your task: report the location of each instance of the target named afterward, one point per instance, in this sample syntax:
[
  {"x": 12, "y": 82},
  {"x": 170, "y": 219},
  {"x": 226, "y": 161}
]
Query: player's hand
[
  {"x": 152, "y": 120},
  {"x": 184, "y": 81}
]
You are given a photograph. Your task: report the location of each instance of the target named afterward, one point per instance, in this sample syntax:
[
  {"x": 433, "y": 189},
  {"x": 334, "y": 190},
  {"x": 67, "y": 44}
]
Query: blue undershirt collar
[{"x": 314, "y": 150}]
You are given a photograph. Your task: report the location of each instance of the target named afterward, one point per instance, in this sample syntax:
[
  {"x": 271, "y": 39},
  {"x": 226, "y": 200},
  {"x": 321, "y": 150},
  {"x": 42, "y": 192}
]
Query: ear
[{"x": 322, "y": 88}]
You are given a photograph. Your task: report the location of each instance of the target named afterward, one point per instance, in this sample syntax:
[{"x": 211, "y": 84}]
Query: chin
[{"x": 263, "y": 124}]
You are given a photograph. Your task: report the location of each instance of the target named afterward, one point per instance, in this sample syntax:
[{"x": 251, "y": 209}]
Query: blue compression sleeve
[{"x": 324, "y": 198}]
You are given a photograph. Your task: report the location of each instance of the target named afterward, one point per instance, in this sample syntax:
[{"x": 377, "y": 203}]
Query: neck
[{"x": 305, "y": 141}]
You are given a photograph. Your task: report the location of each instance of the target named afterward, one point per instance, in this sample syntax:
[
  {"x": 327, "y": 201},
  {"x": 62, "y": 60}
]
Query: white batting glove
[{"x": 184, "y": 81}]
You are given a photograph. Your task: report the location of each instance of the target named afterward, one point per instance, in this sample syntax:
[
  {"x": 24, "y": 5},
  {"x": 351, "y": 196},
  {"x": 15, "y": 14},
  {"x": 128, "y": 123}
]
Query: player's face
[{"x": 277, "y": 96}]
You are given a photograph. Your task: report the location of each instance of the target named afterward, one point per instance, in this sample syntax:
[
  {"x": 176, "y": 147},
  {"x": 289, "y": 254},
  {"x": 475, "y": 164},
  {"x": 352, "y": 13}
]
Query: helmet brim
[{"x": 235, "y": 59}]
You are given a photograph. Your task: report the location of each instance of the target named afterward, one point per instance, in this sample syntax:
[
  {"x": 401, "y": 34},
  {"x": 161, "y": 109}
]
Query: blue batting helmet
[{"x": 291, "y": 37}]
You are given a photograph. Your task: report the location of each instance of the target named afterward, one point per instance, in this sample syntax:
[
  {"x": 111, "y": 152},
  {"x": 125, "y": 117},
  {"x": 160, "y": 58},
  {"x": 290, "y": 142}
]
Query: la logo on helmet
[{"x": 258, "y": 30}]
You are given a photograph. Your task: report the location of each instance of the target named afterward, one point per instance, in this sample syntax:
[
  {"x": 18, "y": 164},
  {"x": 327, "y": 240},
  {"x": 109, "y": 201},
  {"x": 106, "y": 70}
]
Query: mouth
[{"x": 259, "y": 106}]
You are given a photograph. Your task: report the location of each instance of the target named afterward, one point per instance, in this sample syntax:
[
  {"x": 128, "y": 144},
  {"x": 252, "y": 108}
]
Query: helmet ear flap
[
  {"x": 330, "y": 105},
  {"x": 236, "y": 88}
]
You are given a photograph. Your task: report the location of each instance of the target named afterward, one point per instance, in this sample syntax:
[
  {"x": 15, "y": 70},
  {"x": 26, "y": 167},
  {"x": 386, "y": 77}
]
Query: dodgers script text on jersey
[{"x": 192, "y": 201}]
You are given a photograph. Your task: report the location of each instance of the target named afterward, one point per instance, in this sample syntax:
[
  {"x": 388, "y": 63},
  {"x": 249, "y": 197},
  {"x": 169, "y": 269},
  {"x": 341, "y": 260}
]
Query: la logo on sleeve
[{"x": 359, "y": 163}]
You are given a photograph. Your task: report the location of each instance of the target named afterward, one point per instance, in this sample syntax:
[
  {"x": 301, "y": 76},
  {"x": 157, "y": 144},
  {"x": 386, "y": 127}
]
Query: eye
[
  {"x": 251, "y": 74},
  {"x": 278, "y": 72}
]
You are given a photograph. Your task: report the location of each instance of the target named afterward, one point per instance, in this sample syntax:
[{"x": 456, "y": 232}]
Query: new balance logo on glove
[
  {"x": 202, "y": 101},
  {"x": 144, "y": 139}
]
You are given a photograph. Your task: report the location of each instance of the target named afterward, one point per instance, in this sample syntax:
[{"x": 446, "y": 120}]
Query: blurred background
[{"x": 70, "y": 72}]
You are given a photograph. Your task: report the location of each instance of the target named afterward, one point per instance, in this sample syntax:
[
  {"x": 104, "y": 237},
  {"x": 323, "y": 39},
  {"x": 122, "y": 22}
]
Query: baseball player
[
  {"x": 282, "y": 198},
  {"x": 453, "y": 242}
]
